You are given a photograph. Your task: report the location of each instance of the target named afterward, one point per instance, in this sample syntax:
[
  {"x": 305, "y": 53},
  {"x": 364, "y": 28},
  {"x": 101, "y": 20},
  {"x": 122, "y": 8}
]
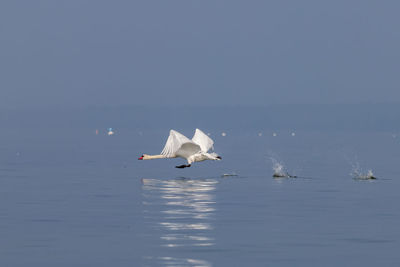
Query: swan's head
[{"x": 144, "y": 157}]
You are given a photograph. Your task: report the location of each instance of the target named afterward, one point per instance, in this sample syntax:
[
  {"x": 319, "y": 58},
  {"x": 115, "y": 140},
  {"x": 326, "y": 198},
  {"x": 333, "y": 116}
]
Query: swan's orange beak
[{"x": 141, "y": 158}]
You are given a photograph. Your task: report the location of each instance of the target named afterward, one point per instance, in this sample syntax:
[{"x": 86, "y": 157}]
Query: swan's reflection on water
[{"x": 182, "y": 211}]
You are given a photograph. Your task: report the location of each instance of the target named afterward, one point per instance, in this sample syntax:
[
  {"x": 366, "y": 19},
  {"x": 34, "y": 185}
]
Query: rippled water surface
[{"x": 73, "y": 198}]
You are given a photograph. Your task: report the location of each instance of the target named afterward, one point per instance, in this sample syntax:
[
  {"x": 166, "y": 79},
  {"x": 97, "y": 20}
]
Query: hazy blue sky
[{"x": 79, "y": 53}]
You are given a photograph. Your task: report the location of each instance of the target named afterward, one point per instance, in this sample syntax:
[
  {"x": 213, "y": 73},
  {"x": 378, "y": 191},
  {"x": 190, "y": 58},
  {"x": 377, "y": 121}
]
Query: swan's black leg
[{"x": 182, "y": 166}]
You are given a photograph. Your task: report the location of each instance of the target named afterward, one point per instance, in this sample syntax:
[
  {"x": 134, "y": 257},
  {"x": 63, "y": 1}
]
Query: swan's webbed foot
[{"x": 182, "y": 166}]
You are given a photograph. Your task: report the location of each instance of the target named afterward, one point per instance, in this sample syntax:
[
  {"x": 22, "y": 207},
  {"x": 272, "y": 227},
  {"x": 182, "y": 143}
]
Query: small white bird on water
[{"x": 180, "y": 146}]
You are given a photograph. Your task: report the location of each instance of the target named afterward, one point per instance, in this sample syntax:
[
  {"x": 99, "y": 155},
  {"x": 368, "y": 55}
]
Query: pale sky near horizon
[{"x": 84, "y": 53}]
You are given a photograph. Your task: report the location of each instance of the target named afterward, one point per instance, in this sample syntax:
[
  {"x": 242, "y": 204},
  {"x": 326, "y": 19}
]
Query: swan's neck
[{"x": 145, "y": 156}]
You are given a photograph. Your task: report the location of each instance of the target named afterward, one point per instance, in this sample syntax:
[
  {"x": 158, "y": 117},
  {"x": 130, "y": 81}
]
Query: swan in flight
[{"x": 180, "y": 146}]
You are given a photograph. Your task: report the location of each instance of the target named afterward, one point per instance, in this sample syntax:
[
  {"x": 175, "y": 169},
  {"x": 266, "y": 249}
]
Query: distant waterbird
[{"x": 179, "y": 146}]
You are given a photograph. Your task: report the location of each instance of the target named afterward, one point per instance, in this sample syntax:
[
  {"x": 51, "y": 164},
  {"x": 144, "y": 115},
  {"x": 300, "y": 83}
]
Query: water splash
[
  {"x": 279, "y": 169},
  {"x": 358, "y": 174},
  {"x": 369, "y": 176},
  {"x": 355, "y": 169}
]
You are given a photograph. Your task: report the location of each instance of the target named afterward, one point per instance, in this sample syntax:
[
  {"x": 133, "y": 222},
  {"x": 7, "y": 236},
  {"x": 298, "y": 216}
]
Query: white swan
[{"x": 180, "y": 146}]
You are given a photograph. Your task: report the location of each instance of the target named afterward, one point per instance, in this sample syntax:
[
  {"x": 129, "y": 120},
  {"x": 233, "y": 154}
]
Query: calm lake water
[{"x": 73, "y": 198}]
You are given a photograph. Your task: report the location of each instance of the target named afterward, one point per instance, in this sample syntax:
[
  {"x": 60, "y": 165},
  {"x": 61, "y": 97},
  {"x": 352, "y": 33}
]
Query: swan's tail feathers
[{"x": 215, "y": 156}]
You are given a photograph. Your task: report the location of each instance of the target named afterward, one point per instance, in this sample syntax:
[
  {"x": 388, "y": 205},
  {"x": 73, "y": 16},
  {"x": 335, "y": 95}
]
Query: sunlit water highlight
[{"x": 182, "y": 211}]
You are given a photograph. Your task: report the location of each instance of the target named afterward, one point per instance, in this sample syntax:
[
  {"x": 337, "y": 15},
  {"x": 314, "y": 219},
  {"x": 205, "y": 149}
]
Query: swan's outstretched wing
[
  {"x": 174, "y": 143},
  {"x": 205, "y": 142}
]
